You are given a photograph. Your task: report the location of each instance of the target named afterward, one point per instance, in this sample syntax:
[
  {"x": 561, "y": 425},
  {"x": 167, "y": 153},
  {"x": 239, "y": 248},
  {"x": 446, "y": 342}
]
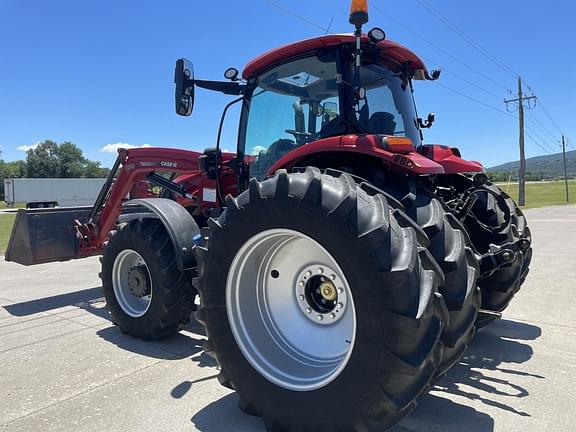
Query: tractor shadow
[
  {"x": 482, "y": 380},
  {"x": 188, "y": 343},
  {"x": 84, "y": 299},
  {"x": 181, "y": 345},
  {"x": 479, "y": 377}
]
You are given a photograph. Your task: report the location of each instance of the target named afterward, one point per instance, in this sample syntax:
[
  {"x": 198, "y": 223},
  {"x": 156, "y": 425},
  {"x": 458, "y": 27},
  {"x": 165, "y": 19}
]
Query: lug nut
[
  {"x": 301, "y": 298},
  {"x": 308, "y": 310},
  {"x": 339, "y": 305},
  {"x": 320, "y": 270},
  {"x": 308, "y": 273},
  {"x": 332, "y": 315},
  {"x": 523, "y": 244},
  {"x": 320, "y": 317},
  {"x": 333, "y": 277},
  {"x": 340, "y": 290},
  {"x": 507, "y": 256}
]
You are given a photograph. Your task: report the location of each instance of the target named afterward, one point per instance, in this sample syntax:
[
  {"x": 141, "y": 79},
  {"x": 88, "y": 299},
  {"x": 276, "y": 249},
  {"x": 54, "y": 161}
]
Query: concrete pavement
[{"x": 65, "y": 367}]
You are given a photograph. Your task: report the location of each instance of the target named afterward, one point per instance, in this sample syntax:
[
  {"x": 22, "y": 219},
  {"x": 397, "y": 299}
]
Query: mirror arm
[{"x": 229, "y": 88}]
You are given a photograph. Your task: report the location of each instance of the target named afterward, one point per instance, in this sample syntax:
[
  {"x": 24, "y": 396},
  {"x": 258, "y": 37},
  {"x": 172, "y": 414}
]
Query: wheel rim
[
  {"x": 274, "y": 296},
  {"x": 132, "y": 283}
]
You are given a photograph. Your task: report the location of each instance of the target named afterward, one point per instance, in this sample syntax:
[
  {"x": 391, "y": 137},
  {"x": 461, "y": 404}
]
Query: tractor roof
[{"x": 391, "y": 51}]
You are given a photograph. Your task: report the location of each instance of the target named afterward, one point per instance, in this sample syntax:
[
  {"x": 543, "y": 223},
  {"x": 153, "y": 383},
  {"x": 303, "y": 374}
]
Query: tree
[
  {"x": 10, "y": 170},
  {"x": 43, "y": 161},
  {"x": 51, "y": 160},
  {"x": 72, "y": 161},
  {"x": 94, "y": 170}
]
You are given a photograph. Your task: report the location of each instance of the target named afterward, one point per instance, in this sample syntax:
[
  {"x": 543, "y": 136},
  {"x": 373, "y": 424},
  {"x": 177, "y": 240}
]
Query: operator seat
[
  {"x": 265, "y": 159},
  {"x": 382, "y": 123}
]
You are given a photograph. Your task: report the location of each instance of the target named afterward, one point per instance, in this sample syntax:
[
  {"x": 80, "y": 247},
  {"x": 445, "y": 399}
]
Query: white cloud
[
  {"x": 113, "y": 148},
  {"x": 25, "y": 148}
]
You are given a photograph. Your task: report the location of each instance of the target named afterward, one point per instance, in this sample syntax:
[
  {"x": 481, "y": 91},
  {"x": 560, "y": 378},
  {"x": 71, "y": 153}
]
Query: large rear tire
[
  {"x": 450, "y": 247},
  {"x": 488, "y": 228},
  {"x": 146, "y": 293},
  {"x": 267, "y": 323}
]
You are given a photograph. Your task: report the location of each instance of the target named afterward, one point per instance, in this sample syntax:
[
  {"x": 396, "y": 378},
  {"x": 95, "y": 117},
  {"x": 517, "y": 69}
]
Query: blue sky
[{"x": 98, "y": 73}]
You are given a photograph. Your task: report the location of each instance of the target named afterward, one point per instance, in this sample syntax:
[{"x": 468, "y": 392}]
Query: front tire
[
  {"x": 256, "y": 282},
  {"x": 146, "y": 293}
]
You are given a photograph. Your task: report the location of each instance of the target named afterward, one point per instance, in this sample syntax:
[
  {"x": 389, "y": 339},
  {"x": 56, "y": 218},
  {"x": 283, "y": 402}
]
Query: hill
[{"x": 539, "y": 167}]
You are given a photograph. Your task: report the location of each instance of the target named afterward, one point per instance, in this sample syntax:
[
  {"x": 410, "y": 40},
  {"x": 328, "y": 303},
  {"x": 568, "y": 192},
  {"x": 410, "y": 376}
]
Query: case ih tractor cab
[{"x": 341, "y": 265}]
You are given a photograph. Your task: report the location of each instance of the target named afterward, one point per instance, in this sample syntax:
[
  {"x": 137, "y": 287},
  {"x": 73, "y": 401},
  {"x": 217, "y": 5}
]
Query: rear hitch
[{"x": 500, "y": 256}]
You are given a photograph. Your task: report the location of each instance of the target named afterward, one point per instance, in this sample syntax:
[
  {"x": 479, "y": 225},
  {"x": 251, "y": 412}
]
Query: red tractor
[{"x": 342, "y": 266}]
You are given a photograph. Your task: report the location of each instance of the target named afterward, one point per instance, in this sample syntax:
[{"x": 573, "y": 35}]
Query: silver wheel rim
[
  {"x": 276, "y": 312},
  {"x": 132, "y": 304}
]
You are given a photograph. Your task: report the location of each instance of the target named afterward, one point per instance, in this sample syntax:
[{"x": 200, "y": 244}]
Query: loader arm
[
  {"x": 131, "y": 166},
  {"x": 62, "y": 234}
]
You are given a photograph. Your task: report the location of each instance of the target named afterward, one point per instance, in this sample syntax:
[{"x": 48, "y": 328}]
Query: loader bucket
[{"x": 45, "y": 235}]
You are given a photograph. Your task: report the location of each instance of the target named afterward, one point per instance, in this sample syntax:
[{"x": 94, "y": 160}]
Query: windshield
[
  {"x": 388, "y": 108},
  {"x": 302, "y": 101},
  {"x": 292, "y": 104}
]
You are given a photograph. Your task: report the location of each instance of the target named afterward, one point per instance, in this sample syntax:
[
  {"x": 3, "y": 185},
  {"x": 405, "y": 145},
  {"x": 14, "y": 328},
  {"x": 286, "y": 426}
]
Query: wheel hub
[
  {"x": 328, "y": 291},
  {"x": 320, "y": 294},
  {"x": 139, "y": 281}
]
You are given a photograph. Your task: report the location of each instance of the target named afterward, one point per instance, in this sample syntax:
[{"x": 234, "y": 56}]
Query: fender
[
  {"x": 181, "y": 227},
  {"x": 450, "y": 159},
  {"x": 408, "y": 162}
]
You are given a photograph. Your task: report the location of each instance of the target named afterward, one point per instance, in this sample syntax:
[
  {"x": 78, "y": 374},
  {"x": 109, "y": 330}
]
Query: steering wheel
[
  {"x": 300, "y": 137},
  {"x": 298, "y": 134}
]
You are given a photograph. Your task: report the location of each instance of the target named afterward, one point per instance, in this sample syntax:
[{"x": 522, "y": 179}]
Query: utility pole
[
  {"x": 565, "y": 171},
  {"x": 522, "y": 171}
]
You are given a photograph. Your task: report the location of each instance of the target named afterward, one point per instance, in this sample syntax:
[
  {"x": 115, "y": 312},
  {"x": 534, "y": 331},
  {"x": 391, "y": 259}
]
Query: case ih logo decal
[{"x": 169, "y": 164}]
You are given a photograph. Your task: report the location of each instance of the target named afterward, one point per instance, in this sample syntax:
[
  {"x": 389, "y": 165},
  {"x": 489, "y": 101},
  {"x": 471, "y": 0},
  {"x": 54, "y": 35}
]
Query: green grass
[
  {"x": 542, "y": 194},
  {"x": 17, "y": 205},
  {"x": 6, "y": 222}
]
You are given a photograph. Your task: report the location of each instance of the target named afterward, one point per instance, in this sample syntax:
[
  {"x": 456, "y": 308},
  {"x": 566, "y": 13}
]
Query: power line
[
  {"x": 540, "y": 138},
  {"x": 295, "y": 15},
  {"x": 537, "y": 143},
  {"x": 546, "y": 112},
  {"x": 425, "y": 39},
  {"x": 461, "y": 78},
  {"x": 428, "y": 59},
  {"x": 442, "y": 18},
  {"x": 550, "y": 117},
  {"x": 288, "y": 11},
  {"x": 478, "y": 47},
  {"x": 541, "y": 126},
  {"x": 473, "y": 99}
]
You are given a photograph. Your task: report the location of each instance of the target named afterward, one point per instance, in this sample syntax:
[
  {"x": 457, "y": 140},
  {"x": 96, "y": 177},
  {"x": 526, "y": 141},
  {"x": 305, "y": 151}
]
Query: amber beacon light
[{"x": 359, "y": 12}]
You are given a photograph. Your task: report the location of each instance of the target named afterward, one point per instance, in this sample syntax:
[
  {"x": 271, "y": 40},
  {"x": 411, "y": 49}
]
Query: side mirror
[
  {"x": 329, "y": 111},
  {"x": 330, "y": 108},
  {"x": 428, "y": 123},
  {"x": 184, "y": 80},
  {"x": 435, "y": 74}
]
